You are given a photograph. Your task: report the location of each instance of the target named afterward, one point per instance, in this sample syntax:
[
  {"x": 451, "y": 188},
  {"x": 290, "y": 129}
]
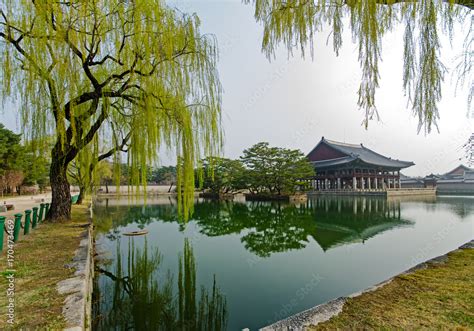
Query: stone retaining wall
[
  {"x": 408, "y": 191},
  {"x": 385, "y": 193},
  {"x": 78, "y": 303}
]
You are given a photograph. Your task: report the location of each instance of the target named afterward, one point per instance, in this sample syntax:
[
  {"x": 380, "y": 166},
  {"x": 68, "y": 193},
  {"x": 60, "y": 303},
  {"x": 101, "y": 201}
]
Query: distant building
[
  {"x": 412, "y": 182},
  {"x": 460, "y": 180},
  {"x": 350, "y": 167}
]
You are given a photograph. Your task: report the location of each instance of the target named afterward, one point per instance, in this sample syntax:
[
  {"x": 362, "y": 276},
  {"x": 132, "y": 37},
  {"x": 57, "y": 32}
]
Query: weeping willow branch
[
  {"x": 83, "y": 65},
  {"x": 294, "y": 23}
]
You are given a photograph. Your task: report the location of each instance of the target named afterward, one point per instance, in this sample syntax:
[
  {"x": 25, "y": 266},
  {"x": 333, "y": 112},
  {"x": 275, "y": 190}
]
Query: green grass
[
  {"x": 439, "y": 297},
  {"x": 40, "y": 260}
]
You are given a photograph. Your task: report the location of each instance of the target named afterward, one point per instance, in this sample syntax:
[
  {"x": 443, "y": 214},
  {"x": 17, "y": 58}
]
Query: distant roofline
[
  {"x": 331, "y": 143},
  {"x": 460, "y": 166}
]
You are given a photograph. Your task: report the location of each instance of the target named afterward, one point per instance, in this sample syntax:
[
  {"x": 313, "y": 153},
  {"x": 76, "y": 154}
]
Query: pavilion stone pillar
[
  {"x": 339, "y": 183},
  {"x": 376, "y": 184},
  {"x": 354, "y": 183},
  {"x": 399, "y": 183},
  {"x": 326, "y": 184},
  {"x": 362, "y": 183},
  {"x": 369, "y": 184}
]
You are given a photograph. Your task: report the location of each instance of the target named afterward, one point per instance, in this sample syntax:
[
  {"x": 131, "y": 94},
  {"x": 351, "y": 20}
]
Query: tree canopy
[
  {"x": 10, "y": 149},
  {"x": 222, "y": 176},
  {"x": 128, "y": 76},
  {"x": 294, "y": 23},
  {"x": 275, "y": 170},
  {"x": 20, "y": 165}
]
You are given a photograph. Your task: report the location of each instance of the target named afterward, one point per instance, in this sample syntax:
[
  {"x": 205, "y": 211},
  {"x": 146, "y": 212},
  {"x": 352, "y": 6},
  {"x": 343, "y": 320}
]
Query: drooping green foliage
[
  {"x": 88, "y": 172},
  {"x": 134, "y": 76},
  {"x": 275, "y": 170},
  {"x": 469, "y": 149},
  {"x": 294, "y": 23},
  {"x": 222, "y": 175}
]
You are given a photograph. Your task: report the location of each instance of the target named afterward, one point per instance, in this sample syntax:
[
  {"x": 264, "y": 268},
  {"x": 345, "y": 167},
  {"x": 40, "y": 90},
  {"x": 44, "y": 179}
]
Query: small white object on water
[{"x": 136, "y": 233}]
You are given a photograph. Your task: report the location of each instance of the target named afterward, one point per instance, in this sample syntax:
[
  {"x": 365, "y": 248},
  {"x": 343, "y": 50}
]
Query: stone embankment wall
[{"x": 77, "y": 309}]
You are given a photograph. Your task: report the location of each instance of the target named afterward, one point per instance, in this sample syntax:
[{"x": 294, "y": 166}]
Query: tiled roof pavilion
[{"x": 342, "y": 166}]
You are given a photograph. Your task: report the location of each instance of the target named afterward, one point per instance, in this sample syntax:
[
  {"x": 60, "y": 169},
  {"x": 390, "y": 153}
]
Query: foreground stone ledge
[
  {"x": 77, "y": 305},
  {"x": 324, "y": 312}
]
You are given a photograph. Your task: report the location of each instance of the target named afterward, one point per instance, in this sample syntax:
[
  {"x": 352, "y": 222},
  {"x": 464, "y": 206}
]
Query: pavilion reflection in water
[
  {"x": 271, "y": 227},
  {"x": 344, "y": 220}
]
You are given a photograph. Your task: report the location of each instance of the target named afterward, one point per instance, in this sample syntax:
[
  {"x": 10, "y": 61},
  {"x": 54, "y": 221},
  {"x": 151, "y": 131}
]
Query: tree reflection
[
  {"x": 134, "y": 296},
  {"x": 271, "y": 227},
  {"x": 461, "y": 206}
]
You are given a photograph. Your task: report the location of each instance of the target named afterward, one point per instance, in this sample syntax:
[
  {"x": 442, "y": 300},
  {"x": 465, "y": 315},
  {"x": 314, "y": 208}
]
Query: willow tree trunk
[
  {"x": 60, "y": 208},
  {"x": 82, "y": 194}
]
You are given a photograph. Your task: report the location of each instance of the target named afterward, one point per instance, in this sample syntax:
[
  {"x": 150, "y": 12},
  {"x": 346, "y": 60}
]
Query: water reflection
[
  {"x": 297, "y": 243},
  {"x": 134, "y": 297},
  {"x": 271, "y": 227}
]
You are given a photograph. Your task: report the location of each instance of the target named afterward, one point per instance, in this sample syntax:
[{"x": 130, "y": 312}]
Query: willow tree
[
  {"x": 469, "y": 151},
  {"x": 294, "y": 23},
  {"x": 131, "y": 75}
]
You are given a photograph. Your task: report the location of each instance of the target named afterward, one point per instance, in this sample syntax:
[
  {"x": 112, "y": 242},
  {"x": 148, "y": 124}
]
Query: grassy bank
[
  {"x": 41, "y": 260},
  {"x": 439, "y": 297}
]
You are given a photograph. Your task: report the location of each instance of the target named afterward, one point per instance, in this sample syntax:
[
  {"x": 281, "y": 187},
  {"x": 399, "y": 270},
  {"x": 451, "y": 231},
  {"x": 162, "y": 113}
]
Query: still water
[{"x": 238, "y": 265}]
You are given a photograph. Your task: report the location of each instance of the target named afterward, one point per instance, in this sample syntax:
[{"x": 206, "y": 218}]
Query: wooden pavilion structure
[{"x": 350, "y": 167}]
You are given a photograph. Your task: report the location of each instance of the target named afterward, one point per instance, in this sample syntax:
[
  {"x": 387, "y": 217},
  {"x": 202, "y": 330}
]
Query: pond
[{"x": 240, "y": 264}]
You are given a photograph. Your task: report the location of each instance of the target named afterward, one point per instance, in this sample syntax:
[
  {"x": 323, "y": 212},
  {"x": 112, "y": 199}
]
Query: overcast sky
[{"x": 291, "y": 102}]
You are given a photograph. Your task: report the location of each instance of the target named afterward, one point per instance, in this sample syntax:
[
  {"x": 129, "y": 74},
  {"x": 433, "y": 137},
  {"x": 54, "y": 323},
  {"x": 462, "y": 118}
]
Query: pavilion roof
[{"x": 358, "y": 152}]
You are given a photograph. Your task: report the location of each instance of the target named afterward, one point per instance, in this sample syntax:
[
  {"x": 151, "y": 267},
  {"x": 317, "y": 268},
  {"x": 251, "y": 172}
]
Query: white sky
[{"x": 294, "y": 102}]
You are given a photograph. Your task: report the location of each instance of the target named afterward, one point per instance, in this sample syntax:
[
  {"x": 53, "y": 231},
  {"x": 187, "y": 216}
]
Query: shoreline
[{"x": 317, "y": 316}]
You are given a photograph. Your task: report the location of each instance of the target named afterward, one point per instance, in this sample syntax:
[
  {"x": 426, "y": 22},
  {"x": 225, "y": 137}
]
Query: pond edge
[
  {"x": 325, "y": 311},
  {"x": 77, "y": 309}
]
